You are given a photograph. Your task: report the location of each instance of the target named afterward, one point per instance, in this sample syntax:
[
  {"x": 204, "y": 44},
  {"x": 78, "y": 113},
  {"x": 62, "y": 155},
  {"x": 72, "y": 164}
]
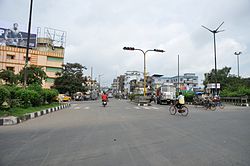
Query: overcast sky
[{"x": 97, "y": 30}]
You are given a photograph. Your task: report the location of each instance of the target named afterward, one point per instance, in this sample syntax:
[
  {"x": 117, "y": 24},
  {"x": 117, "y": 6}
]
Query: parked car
[
  {"x": 62, "y": 97},
  {"x": 86, "y": 96},
  {"x": 78, "y": 96}
]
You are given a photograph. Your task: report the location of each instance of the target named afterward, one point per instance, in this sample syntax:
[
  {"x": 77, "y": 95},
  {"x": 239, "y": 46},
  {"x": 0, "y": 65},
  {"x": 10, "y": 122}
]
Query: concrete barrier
[{"x": 12, "y": 120}]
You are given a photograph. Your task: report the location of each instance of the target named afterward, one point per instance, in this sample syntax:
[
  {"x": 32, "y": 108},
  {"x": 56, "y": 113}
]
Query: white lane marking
[
  {"x": 146, "y": 108},
  {"x": 77, "y": 108},
  {"x": 86, "y": 108},
  {"x": 137, "y": 108},
  {"x": 155, "y": 108}
]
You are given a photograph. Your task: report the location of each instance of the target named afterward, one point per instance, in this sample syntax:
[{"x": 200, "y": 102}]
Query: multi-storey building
[
  {"x": 188, "y": 81},
  {"x": 13, "y": 58},
  {"x": 45, "y": 54}
]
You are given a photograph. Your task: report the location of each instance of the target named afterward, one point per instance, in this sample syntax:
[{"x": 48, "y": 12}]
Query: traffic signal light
[
  {"x": 128, "y": 48},
  {"x": 157, "y": 50}
]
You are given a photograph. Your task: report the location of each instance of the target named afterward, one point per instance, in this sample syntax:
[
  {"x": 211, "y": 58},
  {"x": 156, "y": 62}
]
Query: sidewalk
[{"x": 12, "y": 120}]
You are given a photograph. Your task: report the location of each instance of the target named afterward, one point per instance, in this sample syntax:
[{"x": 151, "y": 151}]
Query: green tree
[
  {"x": 8, "y": 76},
  {"x": 35, "y": 75},
  {"x": 222, "y": 75},
  {"x": 231, "y": 85},
  {"x": 71, "y": 79}
]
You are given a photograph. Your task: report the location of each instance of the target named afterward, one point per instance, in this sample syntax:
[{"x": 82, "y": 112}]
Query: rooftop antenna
[{"x": 215, "y": 64}]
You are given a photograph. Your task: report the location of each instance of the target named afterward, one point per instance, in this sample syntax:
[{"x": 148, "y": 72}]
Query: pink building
[{"x": 45, "y": 55}]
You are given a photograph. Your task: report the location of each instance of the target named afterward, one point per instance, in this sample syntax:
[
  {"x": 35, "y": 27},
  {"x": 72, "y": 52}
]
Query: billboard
[
  {"x": 14, "y": 37},
  {"x": 212, "y": 86}
]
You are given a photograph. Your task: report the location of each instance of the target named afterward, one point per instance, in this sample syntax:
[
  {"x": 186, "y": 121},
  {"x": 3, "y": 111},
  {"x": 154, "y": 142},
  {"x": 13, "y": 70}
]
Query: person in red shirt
[{"x": 104, "y": 97}]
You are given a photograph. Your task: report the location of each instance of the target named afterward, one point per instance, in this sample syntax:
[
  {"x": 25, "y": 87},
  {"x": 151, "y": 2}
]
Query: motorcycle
[{"x": 104, "y": 103}]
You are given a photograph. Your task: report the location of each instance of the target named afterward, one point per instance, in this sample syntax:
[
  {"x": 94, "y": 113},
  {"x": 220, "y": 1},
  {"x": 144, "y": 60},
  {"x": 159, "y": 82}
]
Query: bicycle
[
  {"x": 181, "y": 109},
  {"x": 219, "y": 104},
  {"x": 209, "y": 105}
]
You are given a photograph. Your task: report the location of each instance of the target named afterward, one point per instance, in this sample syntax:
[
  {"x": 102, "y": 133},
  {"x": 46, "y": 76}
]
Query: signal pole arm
[{"x": 144, "y": 56}]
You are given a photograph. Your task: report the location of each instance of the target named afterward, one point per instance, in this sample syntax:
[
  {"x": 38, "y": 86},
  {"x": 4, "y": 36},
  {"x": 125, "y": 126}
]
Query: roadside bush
[
  {"x": 14, "y": 102},
  {"x": 35, "y": 98},
  {"x": 24, "y": 96},
  {"x": 134, "y": 96},
  {"x": 237, "y": 92},
  {"x": 29, "y": 97},
  {"x": 131, "y": 97},
  {"x": 189, "y": 96},
  {"x": 4, "y": 94},
  {"x": 37, "y": 88},
  {"x": 13, "y": 89},
  {"x": 49, "y": 94}
]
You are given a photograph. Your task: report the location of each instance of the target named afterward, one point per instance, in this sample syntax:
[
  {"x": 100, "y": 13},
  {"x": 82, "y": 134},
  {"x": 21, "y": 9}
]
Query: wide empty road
[{"x": 123, "y": 134}]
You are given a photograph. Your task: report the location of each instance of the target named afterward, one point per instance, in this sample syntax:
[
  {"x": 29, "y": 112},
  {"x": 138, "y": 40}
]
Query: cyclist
[{"x": 180, "y": 100}]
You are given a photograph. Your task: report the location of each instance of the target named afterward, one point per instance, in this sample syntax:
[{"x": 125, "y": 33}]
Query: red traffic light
[{"x": 128, "y": 48}]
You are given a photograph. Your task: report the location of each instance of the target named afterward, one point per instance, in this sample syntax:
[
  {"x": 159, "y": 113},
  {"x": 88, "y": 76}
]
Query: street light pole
[
  {"x": 99, "y": 80},
  {"x": 27, "y": 47},
  {"x": 144, "y": 55},
  {"x": 178, "y": 75},
  {"x": 238, "y": 54},
  {"x": 215, "y": 63}
]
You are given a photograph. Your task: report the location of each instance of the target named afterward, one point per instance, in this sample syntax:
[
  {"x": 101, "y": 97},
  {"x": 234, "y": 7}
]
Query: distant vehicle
[
  {"x": 62, "y": 97},
  {"x": 78, "y": 96},
  {"x": 166, "y": 94},
  {"x": 87, "y": 95},
  {"x": 110, "y": 95},
  {"x": 93, "y": 95}
]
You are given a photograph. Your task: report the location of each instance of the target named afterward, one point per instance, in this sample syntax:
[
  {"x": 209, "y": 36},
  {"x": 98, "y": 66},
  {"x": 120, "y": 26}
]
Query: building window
[
  {"x": 10, "y": 68},
  {"x": 55, "y": 59},
  {"x": 53, "y": 69},
  {"x": 24, "y": 57},
  {"x": 50, "y": 80},
  {"x": 10, "y": 56}
]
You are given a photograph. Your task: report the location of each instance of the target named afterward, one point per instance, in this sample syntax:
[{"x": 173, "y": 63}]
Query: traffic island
[{"x": 12, "y": 120}]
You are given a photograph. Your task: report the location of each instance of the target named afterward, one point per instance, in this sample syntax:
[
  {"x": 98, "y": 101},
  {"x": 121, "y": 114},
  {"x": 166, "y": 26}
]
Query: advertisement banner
[{"x": 14, "y": 37}]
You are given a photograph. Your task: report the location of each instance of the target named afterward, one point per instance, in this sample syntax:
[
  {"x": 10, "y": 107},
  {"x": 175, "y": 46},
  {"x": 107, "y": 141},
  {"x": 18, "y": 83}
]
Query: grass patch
[{"x": 18, "y": 112}]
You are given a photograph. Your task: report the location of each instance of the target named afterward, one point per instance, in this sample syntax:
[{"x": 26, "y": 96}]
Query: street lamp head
[
  {"x": 129, "y": 48},
  {"x": 237, "y": 53},
  {"x": 158, "y": 50}
]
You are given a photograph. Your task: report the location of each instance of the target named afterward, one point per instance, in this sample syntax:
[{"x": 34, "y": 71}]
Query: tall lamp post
[
  {"x": 27, "y": 47},
  {"x": 144, "y": 54},
  {"x": 178, "y": 89},
  {"x": 99, "y": 80},
  {"x": 215, "y": 64},
  {"x": 238, "y": 54}
]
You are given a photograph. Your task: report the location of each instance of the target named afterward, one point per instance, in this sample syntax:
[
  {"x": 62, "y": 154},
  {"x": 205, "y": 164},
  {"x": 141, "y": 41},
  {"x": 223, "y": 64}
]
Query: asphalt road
[{"x": 123, "y": 134}]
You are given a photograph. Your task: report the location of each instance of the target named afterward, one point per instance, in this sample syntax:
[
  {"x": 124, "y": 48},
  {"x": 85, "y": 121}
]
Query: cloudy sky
[{"x": 97, "y": 30}]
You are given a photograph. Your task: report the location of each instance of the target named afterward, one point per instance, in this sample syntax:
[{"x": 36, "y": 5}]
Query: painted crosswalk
[
  {"x": 81, "y": 108},
  {"x": 129, "y": 108},
  {"x": 144, "y": 108}
]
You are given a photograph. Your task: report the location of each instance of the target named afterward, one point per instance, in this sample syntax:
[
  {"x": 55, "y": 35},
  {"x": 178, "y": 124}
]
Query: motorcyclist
[{"x": 104, "y": 97}]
